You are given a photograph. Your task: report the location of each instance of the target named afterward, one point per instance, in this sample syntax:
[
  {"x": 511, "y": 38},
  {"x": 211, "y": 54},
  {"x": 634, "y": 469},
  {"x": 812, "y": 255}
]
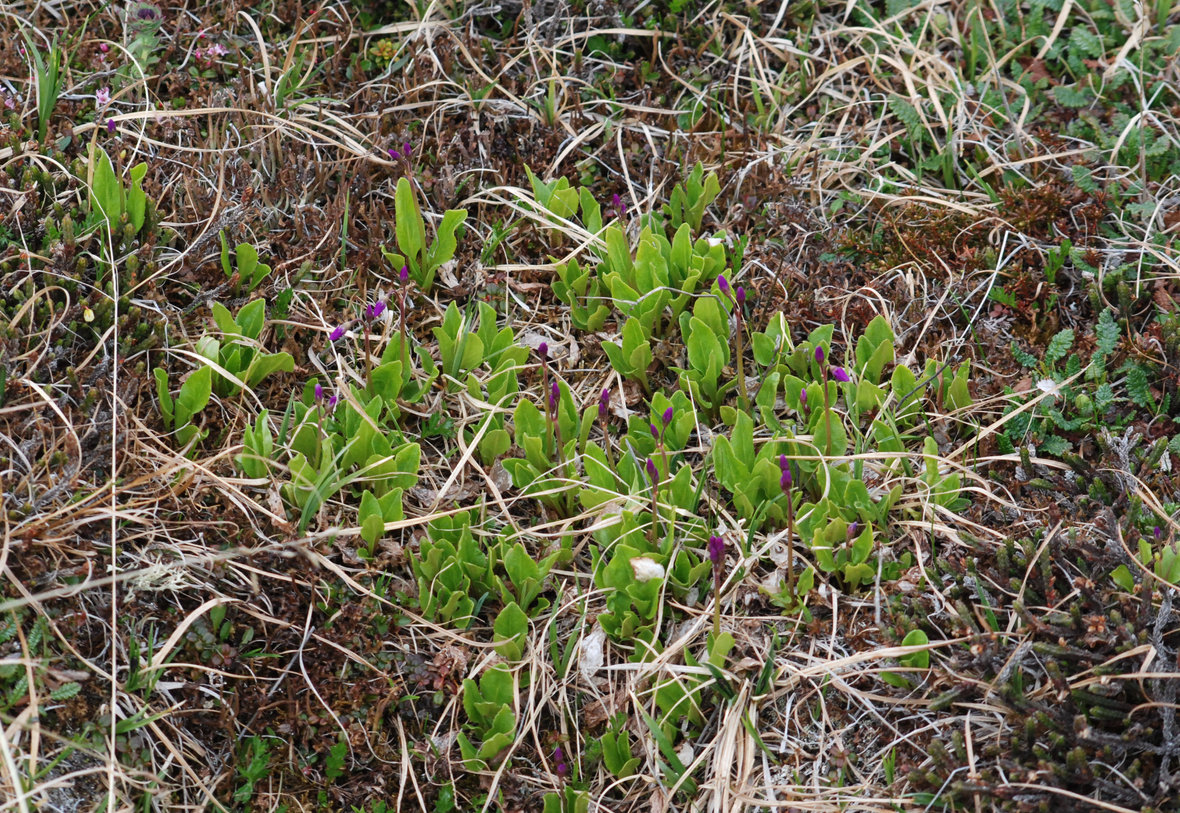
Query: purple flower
[
  {"x": 603, "y": 404},
  {"x": 332, "y": 402},
  {"x": 319, "y": 391},
  {"x": 336, "y": 333},
  {"x": 394, "y": 153},
  {"x": 803, "y": 397},
  {"x": 554, "y": 394},
  {"x": 559, "y": 758},
  {"x": 1158, "y": 533},
  {"x": 853, "y": 529},
  {"x": 819, "y": 354},
  {"x": 404, "y": 274},
  {"x": 375, "y": 310},
  {"x": 723, "y": 284},
  {"x": 655, "y": 433},
  {"x": 785, "y": 466},
  {"x": 716, "y": 550},
  {"x": 652, "y": 471},
  {"x": 406, "y": 149},
  {"x": 543, "y": 350},
  {"x": 741, "y": 296},
  {"x": 110, "y": 125},
  {"x": 839, "y": 374},
  {"x": 668, "y": 416}
]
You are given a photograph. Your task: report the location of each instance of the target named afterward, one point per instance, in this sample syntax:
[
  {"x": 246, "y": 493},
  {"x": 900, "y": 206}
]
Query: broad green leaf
[
  {"x": 252, "y": 318},
  {"x": 411, "y": 231}
]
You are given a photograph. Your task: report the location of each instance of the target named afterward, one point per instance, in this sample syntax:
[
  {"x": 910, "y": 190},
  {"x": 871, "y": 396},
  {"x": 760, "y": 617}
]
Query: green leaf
[
  {"x": 445, "y": 242},
  {"x": 136, "y": 198},
  {"x": 917, "y": 660},
  {"x": 1138, "y": 387},
  {"x": 510, "y": 631},
  {"x": 106, "y": 190},
  {"x": 194, "y": 394},
  {"x": 1107, "y": 333},
  {"x": 411, "y": 231},
  {"x": 262, "y": 366},
  {"x": 371, "y": 519},
  {"x": 251, "y": 318},
  {"x": 1058, "y": 346},
  {"x": 165, "y": 396}
]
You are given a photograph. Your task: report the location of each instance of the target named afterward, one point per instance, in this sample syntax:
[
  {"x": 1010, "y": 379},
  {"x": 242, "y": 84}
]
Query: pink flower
[
  {"x": 716, "y": 550},
  {"x": 102, "y": 97},
  {"x": 336, "y": 334}
]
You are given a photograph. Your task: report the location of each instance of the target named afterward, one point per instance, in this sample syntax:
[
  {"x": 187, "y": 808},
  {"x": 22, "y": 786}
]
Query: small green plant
[
  {"x": 245, "y": 269},
  {"x": 178, "y": 413},
  {"x": 688, "y": 200},
  {"x": 616, "y": 749},
  {"x": 240, "y": 360},
  {"x": 253, "y": 766},
  {"x": 568, "y": 800},
  {"x": 123, "y": 208},
  {"x": 375, "y": 512},
  {"x": 1079, "y": 405},
  {"x": 336, "y": 445},
  {"x": 258, "y": 440},
  {"x": 632, "y": 356},
  {"x": 914, "y": 660},
  {"x": 491, "y": 719},
  {"x": 422, "y": 259},
  {"x": 47, "y": 72}
]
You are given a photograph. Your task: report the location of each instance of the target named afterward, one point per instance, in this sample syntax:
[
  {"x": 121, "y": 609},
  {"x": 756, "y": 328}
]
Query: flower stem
[
  {"x": 716, "y": 603},
  {"x": 823, "y": 379},
  {"x": 791, "y": 542},
  {"x": 743, "y": 397}
]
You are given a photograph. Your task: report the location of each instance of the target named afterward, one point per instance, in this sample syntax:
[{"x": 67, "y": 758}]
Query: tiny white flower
[
  {"x": 1050, "y": 387},
  {"x": 102, "y": 97},
  {"x": 647, "y": 568}
]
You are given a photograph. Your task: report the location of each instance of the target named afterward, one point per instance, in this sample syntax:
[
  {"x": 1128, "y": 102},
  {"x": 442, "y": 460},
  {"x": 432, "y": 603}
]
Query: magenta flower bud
[
  {"x": 652, "y": 471},
  {"x": 543, "y": 350},
  {"x": 394, "y": 153},
  {"x": 404, "y": 274},
  {"x": 716, "y": 550},
  {"x": 803, "y": 397},
  {"x": 1158, "y": 532},
  {"x": 784, "y": 466},
  {"x": 741, "y": 296},
  {"x": 819, "y": 354},
  {"x": 853, "y": 529},
  {"x": 375, "y": 310},
  {"x": 723, "y": 284},
  {"x": 563, "y": 769},
  {"x": 603, "y": 404},
  {"x": 839, "y": 374},
  {"x": 319, "y": 391},
  {"x": 336, "y": 333},
  {"x": 110, "y": 125},
  {"x": 554, "y": 395},
  {"x": 668, "y": 416},
  {"x": 655, "y": 433},
  {"x": 332, "y": 402},
  {"x": 102, "y": 46},
  {"x": 406, "y": 149}
]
